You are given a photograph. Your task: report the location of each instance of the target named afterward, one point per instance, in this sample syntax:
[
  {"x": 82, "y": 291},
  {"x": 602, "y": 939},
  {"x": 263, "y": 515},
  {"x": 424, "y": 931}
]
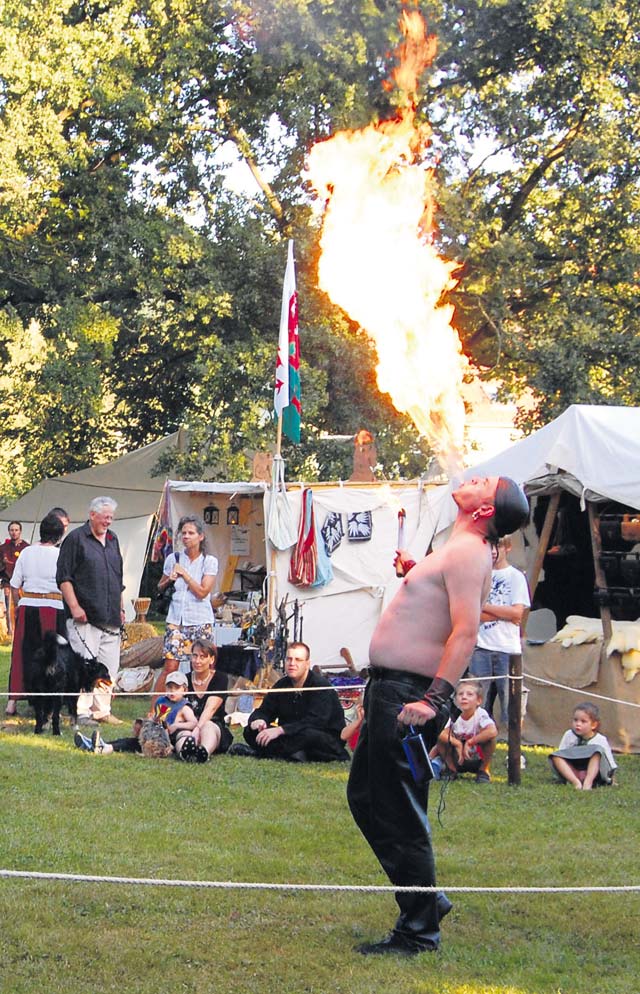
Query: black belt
[{"x": 384, "y": 673}]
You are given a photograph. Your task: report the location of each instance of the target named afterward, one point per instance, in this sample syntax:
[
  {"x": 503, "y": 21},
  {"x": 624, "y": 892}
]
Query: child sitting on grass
[
  {"x": 169, "y": 711},
  {"x": 584, "y": 758},
  {"x": 467, "y": 745}
]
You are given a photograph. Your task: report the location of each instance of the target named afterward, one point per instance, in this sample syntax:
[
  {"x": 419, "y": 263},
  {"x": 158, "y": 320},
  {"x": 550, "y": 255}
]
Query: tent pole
[
  {"x": 601, "y": 580},
  {"x": 543, "y": 544},
  {"x": 39, "y": 511}
]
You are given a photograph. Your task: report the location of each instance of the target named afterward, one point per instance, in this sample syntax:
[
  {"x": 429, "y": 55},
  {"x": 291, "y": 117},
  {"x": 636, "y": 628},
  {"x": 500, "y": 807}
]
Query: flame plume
[{"x": 378, "y": 261}]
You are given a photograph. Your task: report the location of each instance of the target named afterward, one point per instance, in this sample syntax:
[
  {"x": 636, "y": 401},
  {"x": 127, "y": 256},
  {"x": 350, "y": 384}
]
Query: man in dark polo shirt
[
  {"x": 298, "y": 726},
  {"x": 89, "y": 575}
]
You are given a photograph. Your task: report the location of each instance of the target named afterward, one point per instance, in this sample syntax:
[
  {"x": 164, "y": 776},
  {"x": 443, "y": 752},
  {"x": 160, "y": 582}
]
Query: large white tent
[
  {"x": 593, "y": 453},
  {"x": 130, "y": 480}
]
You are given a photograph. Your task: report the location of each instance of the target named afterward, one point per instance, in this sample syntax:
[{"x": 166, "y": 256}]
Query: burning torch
[{"x": 402, "y": 517}]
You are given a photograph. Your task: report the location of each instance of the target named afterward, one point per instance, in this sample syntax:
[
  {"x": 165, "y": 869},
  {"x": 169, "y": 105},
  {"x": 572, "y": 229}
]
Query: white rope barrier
[
  {"x": 347, "y": 888},
  {"x": 236, "y": 692},
  {"x": 579, "y": 691}
]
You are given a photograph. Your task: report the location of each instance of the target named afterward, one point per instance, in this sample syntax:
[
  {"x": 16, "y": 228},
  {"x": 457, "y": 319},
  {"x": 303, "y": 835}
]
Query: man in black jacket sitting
[{"x": 302, "y": 725}]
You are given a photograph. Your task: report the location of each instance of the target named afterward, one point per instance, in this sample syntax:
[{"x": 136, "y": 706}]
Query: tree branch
[{"x": 557, "y": 152}]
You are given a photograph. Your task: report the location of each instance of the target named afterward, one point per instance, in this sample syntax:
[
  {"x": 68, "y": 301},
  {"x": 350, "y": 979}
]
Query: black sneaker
[
  {"x": 97, "y": 743},
  {"x": 81, "y": 741},
  {"x": 189, "y": 750},
  {"x": 241, "y": 749}
]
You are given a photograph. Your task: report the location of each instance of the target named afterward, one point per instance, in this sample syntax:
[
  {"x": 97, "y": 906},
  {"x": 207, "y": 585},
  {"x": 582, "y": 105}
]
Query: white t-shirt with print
[
  {"x": 466, "y": 728},
  {"x": 508, "y": 586}
]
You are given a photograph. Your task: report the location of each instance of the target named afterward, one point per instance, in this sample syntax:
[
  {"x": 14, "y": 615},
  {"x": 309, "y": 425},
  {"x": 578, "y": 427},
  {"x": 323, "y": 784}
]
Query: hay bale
[{"x": 138, "y": 631}]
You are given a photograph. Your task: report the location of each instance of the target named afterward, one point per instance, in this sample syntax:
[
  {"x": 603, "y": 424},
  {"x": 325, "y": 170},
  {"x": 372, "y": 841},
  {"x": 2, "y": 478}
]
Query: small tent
[
  {"x": 130, "y": 480},
  {"x": 583, "y": 463}
]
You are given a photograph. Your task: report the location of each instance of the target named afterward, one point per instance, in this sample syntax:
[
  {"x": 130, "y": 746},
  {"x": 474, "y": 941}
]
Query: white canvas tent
[
  {"x": 344, "y": 612},
  {"x": 594, "y": 454},
  {"x": 128, "y": 480}
]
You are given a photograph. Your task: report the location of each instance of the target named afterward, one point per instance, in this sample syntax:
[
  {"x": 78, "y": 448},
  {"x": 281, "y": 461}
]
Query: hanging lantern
[
  {"x": 233, "y": 514},
  {"x": 211, "y": 515}
]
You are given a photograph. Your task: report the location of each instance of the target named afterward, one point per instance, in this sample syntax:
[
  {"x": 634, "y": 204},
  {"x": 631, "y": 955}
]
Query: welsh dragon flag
[{"x": 286, "y": 399}]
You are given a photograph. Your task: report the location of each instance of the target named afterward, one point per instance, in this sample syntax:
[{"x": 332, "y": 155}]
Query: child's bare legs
[
  {"x": 593, "y": 768},
  {"x": 450, "y": 755},
  {"x": 488, "y": 749},
  {"x": 567, "y": 771}
]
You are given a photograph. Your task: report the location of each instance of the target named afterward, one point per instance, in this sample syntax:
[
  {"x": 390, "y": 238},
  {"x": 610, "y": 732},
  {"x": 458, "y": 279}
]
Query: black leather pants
[{"x": 389, "y": 808}]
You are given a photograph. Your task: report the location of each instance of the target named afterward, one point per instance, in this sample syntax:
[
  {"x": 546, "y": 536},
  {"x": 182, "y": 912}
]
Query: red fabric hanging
[{"x": 302, "y": 570}]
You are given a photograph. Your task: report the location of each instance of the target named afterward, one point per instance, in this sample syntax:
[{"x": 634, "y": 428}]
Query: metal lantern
[
  {"x": 233, "y": 514},
  {"x": 211, "y": 515}
]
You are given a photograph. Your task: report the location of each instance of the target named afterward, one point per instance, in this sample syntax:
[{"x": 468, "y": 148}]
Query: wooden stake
[{"x": 515, "y": 720}]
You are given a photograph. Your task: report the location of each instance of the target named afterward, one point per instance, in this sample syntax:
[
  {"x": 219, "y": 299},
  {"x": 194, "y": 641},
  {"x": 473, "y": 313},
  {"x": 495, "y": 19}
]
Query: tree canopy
[{"x": 139, "y": 292}]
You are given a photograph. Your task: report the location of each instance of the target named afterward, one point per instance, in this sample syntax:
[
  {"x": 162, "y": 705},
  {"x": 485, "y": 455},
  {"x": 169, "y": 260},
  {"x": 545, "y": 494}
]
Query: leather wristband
[{"x": 438, "y": 693}]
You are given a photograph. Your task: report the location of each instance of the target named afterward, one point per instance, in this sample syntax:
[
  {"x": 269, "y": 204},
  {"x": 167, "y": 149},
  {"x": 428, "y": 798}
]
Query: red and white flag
[{"x": 286, "y": 398}]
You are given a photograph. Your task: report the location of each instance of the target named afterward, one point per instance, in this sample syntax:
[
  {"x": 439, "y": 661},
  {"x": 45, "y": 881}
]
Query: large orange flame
[{"x": 378, "y": 261}]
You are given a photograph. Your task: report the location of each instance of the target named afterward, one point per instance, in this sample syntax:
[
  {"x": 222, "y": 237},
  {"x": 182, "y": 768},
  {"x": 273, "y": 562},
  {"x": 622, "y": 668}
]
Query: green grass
[{"x": 239, "y": 820}]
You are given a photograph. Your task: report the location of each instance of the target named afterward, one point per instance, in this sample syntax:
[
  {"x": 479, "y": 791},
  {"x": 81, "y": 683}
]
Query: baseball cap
[{"x": 177, "y": 678}]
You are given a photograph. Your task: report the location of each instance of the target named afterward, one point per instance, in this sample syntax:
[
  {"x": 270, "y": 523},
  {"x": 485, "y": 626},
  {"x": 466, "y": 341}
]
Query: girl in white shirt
[{"x": 584, "y": 758}]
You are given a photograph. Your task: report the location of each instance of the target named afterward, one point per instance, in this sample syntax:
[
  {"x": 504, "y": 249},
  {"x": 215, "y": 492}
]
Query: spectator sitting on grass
[
  {"x": 584, "y": 758},
  {"x": 294, "y": 725},
  {"x": 467, "y": 745},
  {"x": 170, "y": 711}
]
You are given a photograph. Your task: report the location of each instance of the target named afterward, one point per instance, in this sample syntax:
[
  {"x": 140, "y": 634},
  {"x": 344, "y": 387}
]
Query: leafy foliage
[{"x": 138, "y": 292}]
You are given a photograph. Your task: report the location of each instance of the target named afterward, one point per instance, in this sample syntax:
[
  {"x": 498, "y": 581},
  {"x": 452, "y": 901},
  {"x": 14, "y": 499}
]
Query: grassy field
[{"x": 239, "y": 820}]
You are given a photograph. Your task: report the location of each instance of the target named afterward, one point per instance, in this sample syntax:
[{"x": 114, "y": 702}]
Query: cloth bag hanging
[
  {"x": 281, "y": 528},
  {"x": 302, "y": 569}
]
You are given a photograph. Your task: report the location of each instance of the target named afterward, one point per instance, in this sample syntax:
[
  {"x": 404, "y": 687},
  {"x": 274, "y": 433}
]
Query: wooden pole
[
  {"x": 601, "y": 580},
  {"x": 515, "y": 720},
  {"x": 545, "y": 537},
  {"x": 543, "y": 544}
]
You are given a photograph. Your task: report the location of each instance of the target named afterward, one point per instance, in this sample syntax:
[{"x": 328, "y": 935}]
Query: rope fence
[
  {"x": 264, "y": 691},
  {"x": 344, "y": 888}
]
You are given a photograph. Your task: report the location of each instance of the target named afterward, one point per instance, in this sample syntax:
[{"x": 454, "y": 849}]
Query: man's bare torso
[{"x": 413, "y": 631}]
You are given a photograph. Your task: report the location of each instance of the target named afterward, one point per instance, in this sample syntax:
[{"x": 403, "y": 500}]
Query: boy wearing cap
[{"x": 169, "y": 710}]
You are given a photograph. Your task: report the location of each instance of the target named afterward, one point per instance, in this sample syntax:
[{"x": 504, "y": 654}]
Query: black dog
[{"x": 57, "y": 670}]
